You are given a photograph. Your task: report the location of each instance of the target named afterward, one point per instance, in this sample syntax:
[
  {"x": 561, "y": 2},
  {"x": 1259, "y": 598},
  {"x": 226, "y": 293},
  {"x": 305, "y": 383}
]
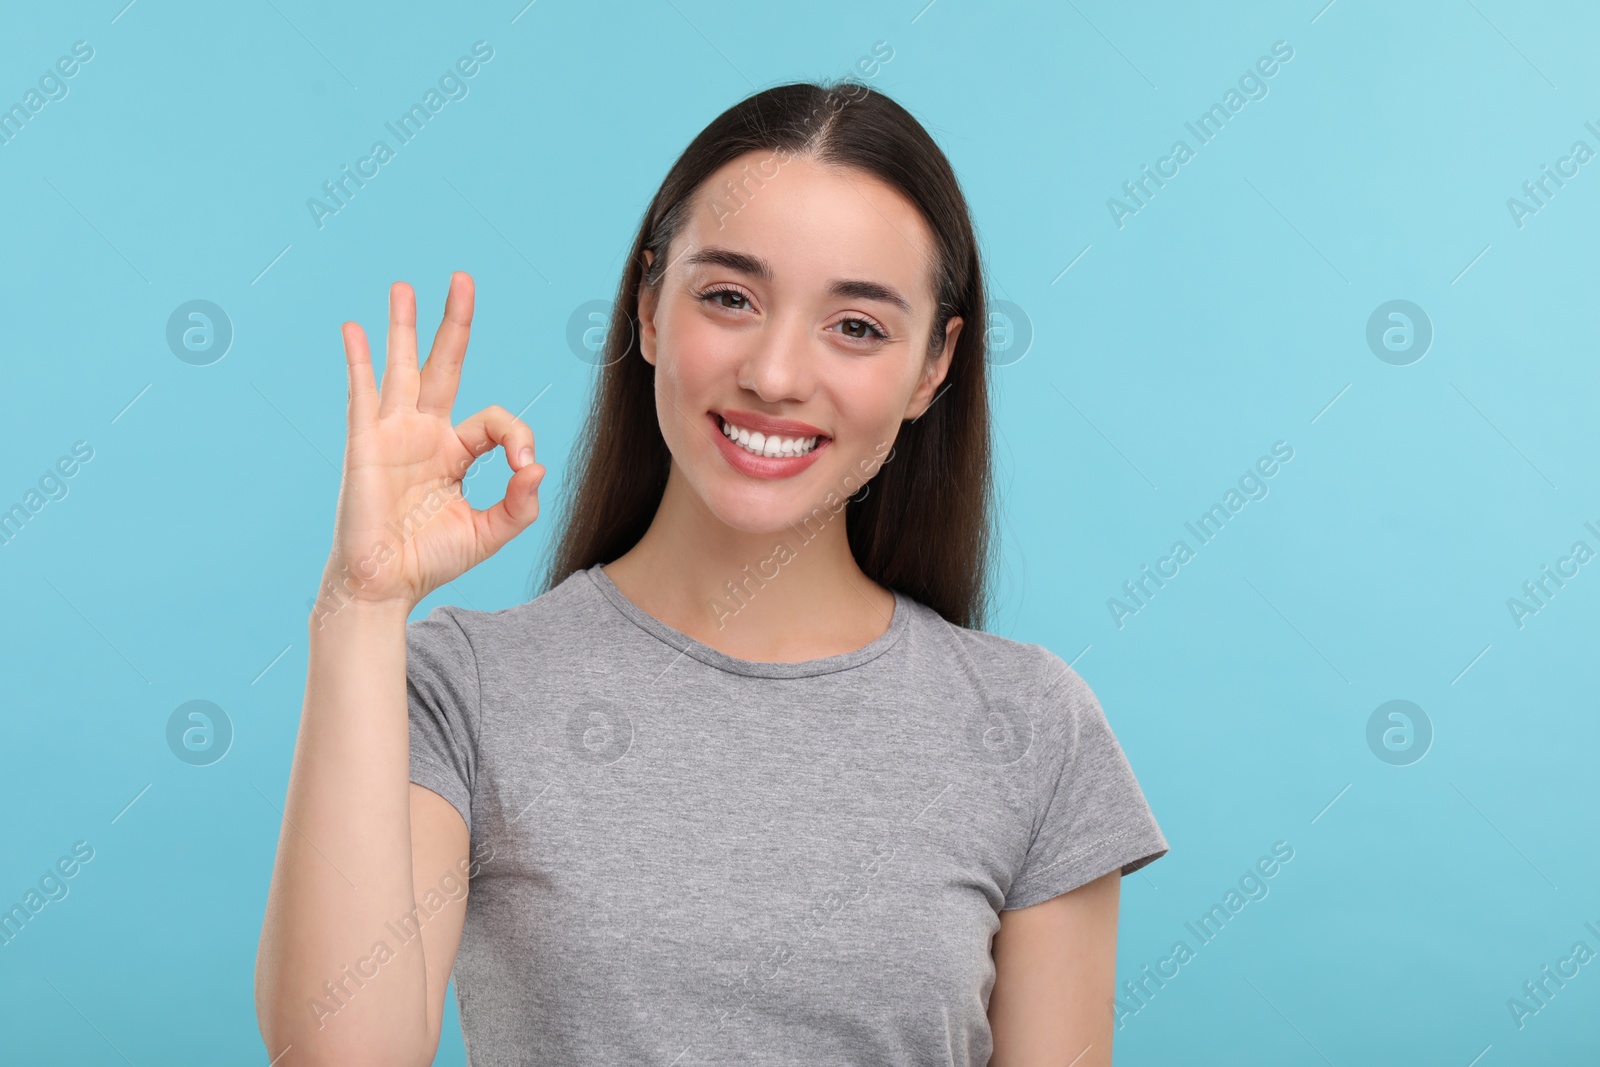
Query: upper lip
[{"x": 768, "y": 425}]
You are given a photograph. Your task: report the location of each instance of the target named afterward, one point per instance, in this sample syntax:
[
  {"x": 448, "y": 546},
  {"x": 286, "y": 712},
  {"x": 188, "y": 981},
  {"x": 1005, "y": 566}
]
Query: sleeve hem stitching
[{"x": 1086, "y": 850}]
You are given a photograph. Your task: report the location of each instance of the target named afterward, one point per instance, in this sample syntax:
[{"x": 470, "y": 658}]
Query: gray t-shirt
[{"x": 681, "y": 858}]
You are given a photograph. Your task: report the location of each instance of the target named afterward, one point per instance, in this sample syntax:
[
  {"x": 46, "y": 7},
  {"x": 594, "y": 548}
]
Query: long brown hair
[{"x": 925, "y": 524}]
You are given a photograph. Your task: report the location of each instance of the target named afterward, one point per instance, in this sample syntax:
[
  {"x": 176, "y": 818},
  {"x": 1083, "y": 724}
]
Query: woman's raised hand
[{"x": 403, "y": 526}]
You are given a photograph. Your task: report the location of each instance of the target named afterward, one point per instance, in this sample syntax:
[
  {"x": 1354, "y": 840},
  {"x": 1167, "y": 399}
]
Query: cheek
[
  {"x": 871, "y": 399},
  {"x": 698, "y": 357}
]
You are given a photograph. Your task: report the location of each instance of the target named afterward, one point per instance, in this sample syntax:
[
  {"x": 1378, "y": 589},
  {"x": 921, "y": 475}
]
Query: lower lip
[{"x": 763, "y": 466}]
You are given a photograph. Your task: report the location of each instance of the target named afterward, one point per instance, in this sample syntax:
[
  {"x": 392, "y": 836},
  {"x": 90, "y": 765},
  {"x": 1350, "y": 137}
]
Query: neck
[{"x": 788, "y": 595}]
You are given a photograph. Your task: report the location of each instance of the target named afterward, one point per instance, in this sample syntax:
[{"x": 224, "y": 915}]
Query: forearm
[{"x": 344, "y": 861}]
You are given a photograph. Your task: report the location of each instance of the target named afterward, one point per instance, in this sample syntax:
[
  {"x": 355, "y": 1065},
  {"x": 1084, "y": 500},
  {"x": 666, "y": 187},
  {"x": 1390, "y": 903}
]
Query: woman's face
[{"x": 797, "y": 308}]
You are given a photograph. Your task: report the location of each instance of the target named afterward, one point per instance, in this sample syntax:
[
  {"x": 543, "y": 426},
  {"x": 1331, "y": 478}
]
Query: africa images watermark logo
[
  {"x": 452, "y": 85},
  {"x": 1137, "y": 993},
  {"x": 1252, "y": 85},
  {"x": 1252, "y": 485}
]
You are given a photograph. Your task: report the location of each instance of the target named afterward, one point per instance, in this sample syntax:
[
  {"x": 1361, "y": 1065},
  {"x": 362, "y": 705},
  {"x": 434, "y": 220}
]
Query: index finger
[
  {"x": 441, "y": 377},
  {"x": 362, "y": 387}
]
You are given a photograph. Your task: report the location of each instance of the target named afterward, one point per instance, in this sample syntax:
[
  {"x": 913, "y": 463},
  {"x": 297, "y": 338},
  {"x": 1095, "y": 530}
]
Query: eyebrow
[{"x": 757, "y": 267}]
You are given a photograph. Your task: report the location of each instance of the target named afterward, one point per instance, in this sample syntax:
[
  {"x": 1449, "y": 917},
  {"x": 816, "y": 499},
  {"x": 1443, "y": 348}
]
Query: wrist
[
  {"x": 332, "y": 609},
  {"x": 343, "y": 585}
]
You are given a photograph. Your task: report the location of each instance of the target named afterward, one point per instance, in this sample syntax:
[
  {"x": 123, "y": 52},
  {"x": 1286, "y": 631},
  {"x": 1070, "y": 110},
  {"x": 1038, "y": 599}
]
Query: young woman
[{"x": 745, "y": 783}]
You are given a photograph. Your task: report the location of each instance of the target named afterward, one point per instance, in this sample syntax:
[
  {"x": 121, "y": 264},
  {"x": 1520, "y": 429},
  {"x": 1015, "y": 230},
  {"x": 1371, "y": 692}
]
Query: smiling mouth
[{"x": 771, "y": 446}]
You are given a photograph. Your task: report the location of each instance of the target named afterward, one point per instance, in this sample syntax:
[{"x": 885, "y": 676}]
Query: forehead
[{"x": 813, "y": 223}]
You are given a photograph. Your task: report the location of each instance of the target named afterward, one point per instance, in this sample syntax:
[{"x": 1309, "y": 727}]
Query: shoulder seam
[
  {"x": 1060, "y": 679},
  {"x": 1069, "y": 754}
]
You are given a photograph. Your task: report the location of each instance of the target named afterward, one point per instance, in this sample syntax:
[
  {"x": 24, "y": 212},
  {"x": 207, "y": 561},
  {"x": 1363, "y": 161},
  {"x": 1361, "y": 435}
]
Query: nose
[{"x": 780, "y": 364}]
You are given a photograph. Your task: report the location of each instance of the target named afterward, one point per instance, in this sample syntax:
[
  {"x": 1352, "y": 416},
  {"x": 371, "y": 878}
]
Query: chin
[{"x": 753, "y": 510}]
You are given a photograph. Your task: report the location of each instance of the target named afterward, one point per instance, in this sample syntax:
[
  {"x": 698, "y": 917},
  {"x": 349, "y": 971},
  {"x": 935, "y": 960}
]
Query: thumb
[{"x": 496, "y": 526}]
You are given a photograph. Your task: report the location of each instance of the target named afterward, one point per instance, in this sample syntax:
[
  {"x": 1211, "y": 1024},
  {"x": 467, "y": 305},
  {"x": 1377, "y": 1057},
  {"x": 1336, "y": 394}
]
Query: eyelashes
[
  {"x": 878, "y": 332},
  {"x": 712, "y": 294},
  {"x": 709, "y": 295}
]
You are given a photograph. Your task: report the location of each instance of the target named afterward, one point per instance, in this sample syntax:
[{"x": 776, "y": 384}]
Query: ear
[
  {"x": 928, "y": 388},
  {"x": 649, "y": 295}
]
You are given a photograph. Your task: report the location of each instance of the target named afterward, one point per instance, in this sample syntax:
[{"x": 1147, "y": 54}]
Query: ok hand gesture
[{"x": 403, "y": 527}]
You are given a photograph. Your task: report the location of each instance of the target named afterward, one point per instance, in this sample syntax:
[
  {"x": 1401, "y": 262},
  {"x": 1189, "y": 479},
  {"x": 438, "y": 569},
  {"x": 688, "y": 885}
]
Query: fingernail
[{"x": 524, "y": 457}]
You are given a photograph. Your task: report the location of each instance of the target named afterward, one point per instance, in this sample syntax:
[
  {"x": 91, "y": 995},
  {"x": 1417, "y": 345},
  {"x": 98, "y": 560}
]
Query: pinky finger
[{"x": 362, "y": 386}]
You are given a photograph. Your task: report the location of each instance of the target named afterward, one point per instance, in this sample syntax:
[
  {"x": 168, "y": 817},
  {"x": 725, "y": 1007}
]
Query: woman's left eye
[
  {"x": 872, "y": 327},
  {"x": 711, "y": 295}
]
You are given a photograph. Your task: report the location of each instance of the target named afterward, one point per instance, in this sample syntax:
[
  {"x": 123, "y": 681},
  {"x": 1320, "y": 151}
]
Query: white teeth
[{"x": 762, "y": 445}]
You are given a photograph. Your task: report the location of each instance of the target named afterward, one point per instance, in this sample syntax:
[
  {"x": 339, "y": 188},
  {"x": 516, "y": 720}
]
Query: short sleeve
[
  {"x": 442, "y": 698},
  {"x": 1094, "y": 816}
]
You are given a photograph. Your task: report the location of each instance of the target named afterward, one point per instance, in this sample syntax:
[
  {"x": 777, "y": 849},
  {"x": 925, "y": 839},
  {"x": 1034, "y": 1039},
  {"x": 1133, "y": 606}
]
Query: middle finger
[{"x": 399, "y": 389}]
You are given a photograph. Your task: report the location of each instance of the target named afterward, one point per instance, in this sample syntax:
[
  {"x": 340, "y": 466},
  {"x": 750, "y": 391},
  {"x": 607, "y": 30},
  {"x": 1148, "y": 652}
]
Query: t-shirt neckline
[{"x": 712, "y": 657}]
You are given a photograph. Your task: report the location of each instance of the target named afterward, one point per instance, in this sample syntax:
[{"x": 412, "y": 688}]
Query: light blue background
[{"x": 1228, "y": 314}]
